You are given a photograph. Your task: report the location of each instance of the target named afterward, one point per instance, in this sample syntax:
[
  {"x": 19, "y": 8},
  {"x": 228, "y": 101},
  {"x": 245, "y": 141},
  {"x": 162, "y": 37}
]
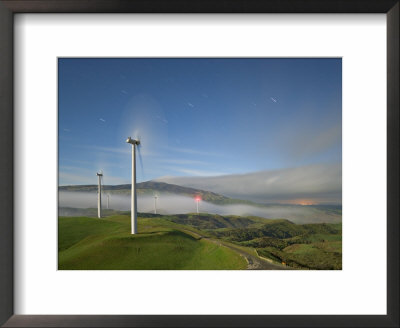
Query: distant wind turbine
[
  {"x": 155, "y": 203},
  {"x": 197, "y": 199},
  {"x": 99, "y": 175}
]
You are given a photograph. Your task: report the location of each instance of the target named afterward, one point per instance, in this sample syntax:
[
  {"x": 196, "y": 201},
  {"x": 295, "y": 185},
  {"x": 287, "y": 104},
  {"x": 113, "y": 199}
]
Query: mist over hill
[
  {"x": 305, "y": 185},
  {"x": 174, "y": 199}
]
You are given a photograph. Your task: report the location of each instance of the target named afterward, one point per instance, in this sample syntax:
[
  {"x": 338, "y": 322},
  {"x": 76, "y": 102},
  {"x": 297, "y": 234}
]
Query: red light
[{"x": 197, "y": 198}]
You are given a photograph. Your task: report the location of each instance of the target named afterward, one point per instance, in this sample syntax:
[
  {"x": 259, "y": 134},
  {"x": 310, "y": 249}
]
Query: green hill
[
  {"x": 307, "y": 246},
  {"x": 195, "y": 241},
  {"x": 106, "y": 244},
  {"x": 304, "y": 246},
  {"x": 215, "y": 221}
]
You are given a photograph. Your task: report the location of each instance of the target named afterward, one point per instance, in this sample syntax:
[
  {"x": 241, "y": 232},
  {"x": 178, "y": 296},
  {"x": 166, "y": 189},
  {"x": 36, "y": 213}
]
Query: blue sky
[{"x": 197, "y": 117}]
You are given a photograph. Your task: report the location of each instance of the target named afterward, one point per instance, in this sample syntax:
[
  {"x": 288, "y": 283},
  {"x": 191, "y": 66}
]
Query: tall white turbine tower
[
  {"x": 134, "y": 143},
  {"x": 99, "y": 175},
  {"x": 108, "y": 201}
]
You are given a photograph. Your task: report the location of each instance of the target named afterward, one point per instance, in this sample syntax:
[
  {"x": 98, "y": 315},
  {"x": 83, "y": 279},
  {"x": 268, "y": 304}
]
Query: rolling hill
[
  {"x": 196, "y": 241},
  {"x": 152, "y": 187},
  {"x": 106, "y": 244}
]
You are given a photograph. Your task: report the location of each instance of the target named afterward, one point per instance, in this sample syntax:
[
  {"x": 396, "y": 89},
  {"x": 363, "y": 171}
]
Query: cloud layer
[
  {"x": 312, "y": 184},
  {"x": 176, "y": 204}
]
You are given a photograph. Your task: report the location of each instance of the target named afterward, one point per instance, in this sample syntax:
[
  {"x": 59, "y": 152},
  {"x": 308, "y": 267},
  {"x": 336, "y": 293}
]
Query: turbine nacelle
[{"x": 133, "y": 141}]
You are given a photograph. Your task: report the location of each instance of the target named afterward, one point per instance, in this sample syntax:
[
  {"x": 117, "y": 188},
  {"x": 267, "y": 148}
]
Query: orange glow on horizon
[
  {"x": 300, "y": 201},
  {"x": 303, "y": 202}
]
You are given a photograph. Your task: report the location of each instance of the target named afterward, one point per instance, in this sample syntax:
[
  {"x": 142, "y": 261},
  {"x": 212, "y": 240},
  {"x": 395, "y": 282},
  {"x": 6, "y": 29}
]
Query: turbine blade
[
  {"x": 140, "y": 161},
  {"x": 137, "y": 136}
]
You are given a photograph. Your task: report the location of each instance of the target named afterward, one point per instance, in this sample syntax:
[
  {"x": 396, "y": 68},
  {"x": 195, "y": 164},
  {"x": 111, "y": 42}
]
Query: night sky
[{"x": 201, "y": 118}]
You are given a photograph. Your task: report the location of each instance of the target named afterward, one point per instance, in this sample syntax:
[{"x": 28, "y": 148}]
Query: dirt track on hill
[{"x": 254, "y": 262}]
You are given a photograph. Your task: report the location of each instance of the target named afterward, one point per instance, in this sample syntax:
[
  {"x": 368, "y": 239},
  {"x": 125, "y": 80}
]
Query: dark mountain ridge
[{"x": 152, "y": 187}]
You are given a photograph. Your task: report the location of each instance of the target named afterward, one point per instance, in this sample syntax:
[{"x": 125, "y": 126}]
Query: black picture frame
[{"x": 10, "y": 7}]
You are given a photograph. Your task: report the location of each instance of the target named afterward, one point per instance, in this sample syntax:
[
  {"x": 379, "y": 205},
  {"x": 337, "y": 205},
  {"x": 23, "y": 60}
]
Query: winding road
[{"x": 254, "y": 262}]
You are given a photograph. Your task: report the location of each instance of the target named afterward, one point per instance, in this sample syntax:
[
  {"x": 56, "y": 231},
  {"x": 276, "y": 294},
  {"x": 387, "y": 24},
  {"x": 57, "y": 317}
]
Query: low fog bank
[
  {"x": 318, "y": 183},
  {"x": 176, "y": 204}
]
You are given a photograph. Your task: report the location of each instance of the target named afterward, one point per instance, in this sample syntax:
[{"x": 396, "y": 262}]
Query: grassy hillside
[
  {"x": 316, "y": 256},
  {"x": 106, "y": 244},
  {"x": 207, "y": 221},
  {"x": 302, "y": 246},
  {"x": 195, "y": 241},
  {"x": 308, "y": 246}
]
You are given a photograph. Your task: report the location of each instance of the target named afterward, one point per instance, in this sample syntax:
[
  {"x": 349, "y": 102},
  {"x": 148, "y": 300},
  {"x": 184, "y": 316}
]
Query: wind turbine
[
  {"x": 99, "y": 175},
  {"x": 197, "y": 199},
  {"x": 134, "y": 143},
  {"x": 155, "y": 203}
]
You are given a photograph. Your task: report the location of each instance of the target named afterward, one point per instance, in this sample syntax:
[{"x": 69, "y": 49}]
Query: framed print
[
  {"x": 203, "y": 214},
  {"x": 154, "y": 153}
]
